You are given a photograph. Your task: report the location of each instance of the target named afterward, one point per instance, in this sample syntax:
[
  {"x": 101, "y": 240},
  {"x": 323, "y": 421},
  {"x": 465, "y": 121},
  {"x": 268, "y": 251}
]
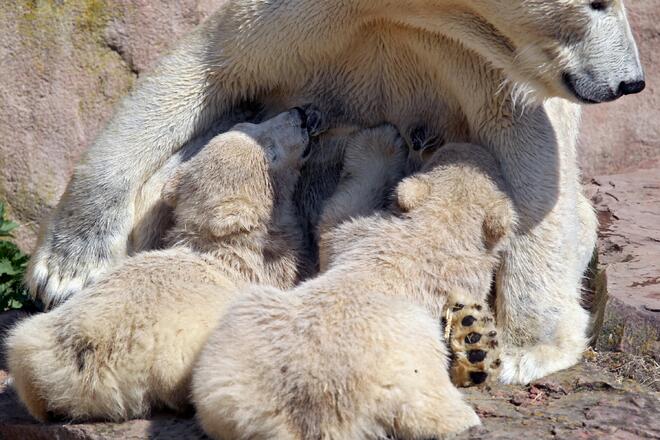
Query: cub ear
[
  {"x": 234, "y": 217},
  {"x": 498, "y": 223},
  {"x": 411, "y": 193}
]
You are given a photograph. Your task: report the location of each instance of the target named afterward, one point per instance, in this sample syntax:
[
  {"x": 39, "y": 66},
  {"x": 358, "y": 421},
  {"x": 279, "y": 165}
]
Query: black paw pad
[
  {"x": 478, "y": 377},
  {"x": 475, "y": 356},
  {"x": 468, "y": 321},
  {"x": 472, "y": 338}
]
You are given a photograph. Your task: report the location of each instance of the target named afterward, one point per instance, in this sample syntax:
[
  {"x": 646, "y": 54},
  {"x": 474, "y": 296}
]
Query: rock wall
[{"x": 65, "y": 63}]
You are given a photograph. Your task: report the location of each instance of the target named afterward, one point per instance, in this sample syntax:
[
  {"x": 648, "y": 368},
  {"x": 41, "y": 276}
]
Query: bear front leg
[
  {"x": 89, "y": 230},
  {"x": 542, "y": 326}
]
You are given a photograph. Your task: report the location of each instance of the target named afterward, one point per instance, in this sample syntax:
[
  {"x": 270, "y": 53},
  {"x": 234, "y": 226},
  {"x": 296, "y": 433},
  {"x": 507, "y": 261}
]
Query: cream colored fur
[
  {"x": 497, "y": 73},
  {"x": 357, "y": 353},
  {"x": 127, "y": 343}
]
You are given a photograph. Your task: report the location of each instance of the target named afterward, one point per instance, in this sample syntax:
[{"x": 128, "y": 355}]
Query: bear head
[{"x": 236, "y": 182}]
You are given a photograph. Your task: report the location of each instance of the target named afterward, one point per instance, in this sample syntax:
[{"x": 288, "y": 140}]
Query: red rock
[
  {"x": 64, "y": 66},
  {"x": 628, "y": 207}
]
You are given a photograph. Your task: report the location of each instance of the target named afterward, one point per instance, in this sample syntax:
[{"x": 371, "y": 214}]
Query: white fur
[
  {"x": 358, "y": 353},
  {"x": 438, "y": 64},
  {"x": 127, "y": 344}
]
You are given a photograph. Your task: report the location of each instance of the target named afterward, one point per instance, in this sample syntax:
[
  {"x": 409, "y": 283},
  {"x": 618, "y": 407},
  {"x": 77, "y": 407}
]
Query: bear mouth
[
  {"x": 587, "y": 91},
  {"x": 570, "y": 82}
]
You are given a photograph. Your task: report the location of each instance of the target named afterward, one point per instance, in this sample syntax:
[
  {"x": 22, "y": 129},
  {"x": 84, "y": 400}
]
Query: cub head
[
  {"x": 460, "y": 190},
  {"x": 236, "y": 182},
  {"x": 582, "y": 50}
]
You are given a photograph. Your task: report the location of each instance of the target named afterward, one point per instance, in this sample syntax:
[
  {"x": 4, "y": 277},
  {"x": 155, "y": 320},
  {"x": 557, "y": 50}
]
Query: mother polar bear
[{"x": 504, "y": 74}]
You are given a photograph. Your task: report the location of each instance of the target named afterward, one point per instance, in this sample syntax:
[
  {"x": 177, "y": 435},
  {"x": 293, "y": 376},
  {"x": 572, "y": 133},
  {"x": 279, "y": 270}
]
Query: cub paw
[
  {"x": 375, "y": 151},
  {"x": 472, "y": 338},
  {"x": 313, "y": 120},
  {"x": 422, "y": 144},
  {"x": 419, "y": 139}
]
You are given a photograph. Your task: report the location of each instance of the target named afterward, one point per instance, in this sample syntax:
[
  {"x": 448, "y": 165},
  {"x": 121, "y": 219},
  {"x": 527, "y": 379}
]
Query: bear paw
[
  {"x": 313, "y": 120},
  {"x": 421, "y": 145},
  {"x": 419, "y": 139},
  {"x": 472, "y": 338}
]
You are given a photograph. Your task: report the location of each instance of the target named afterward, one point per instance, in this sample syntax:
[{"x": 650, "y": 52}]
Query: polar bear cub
[
  {"x": 358, "y": 353},
  {"x": 127, "y": 344}
]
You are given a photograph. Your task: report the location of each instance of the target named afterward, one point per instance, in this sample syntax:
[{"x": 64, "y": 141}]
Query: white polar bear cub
[
  {"x": 357, "y": 353},
  {"x": 127, "y": 344}
]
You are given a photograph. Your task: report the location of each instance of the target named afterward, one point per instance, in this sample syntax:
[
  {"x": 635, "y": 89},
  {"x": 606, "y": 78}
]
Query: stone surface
[
  {"x": 584, "y": 402},
  {"x": 626, "y": 133},
  {"x": 628, "y": 207},
  {"x": 64, "y": 65}
]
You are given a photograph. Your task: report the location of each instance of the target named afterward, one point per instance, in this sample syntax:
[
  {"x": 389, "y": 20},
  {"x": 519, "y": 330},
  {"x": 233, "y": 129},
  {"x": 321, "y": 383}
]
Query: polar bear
[
  {"x": 503, "y": 74},
  {"x": 357, "y": 352},
  {"x": 127, "y": 343}
]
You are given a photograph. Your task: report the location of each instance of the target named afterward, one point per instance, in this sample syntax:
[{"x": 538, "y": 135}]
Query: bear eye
[{"x": 598, "y": 5}]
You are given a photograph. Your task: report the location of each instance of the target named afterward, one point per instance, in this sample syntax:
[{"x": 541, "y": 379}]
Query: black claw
[
  {"x": 475, "y": 356},
  {"x": 41, "y": 287},
  {"x": 493, "y": 344},
  {"x": 457, "y": 307},
  {"x": 478, "y": 377},
  {"x": 468, "y": 321},
  {"x": 497, "y": 363},
  {"x": 472, "y": 338},
  {"x": 492, "y": 334}
]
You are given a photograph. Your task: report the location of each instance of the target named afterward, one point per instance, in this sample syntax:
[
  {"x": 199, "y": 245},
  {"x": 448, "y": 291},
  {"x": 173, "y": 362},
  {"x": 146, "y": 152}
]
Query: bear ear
[
  {"x": 498, "y": 223},
  {"x": 412, "y": 192},
  {"x": 171, "y": 188},
  {"x": 234, "y": 217}
]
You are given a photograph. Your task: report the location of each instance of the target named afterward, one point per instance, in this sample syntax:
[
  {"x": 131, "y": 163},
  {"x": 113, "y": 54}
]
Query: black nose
[{"x": 631, "y": 87}]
